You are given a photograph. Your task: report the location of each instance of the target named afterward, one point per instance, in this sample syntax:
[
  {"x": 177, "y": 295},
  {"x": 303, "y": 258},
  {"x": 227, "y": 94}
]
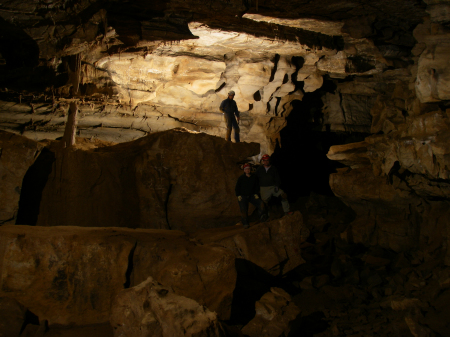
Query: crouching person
[{"x": 247, "y": 189}]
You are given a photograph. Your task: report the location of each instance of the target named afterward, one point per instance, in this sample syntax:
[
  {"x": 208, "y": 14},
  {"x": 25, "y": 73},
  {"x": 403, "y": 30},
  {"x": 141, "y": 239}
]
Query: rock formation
[
  {"x": 173, "y": 180},
  {"x": 150, "y": 309},
  {"x": 71, "y": 274},
  {"x": 274, "y": 311},
  {"x": 369, "y": 78},
  {"x": 172, "y": 66}
]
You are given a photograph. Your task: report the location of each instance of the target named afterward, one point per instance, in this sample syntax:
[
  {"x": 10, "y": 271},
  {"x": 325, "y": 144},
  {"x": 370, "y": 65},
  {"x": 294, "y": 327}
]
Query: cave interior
[{"x": 118, "y": 213}]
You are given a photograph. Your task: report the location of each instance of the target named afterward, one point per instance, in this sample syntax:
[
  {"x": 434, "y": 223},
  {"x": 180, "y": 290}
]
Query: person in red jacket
[
  {"x": 247, "y": 189},
  {"x": 269, "y": 182}
]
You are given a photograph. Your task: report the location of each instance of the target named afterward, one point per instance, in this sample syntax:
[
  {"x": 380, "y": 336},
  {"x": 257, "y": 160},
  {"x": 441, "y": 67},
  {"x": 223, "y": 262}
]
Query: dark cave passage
[
  {"x": 32, "y": 187},
  {"x": 301, "y": 157}
]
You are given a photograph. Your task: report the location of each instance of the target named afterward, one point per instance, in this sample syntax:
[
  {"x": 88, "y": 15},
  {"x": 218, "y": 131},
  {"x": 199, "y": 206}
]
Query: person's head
[
  {"x": 265, "y": 160},
  {"x": 247, "y": 169},
  {"x": 231, "y": 94}
]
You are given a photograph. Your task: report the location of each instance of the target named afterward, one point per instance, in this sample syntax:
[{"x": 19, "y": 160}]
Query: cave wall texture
[
  {"x": 139, "y": 69},
  {"x": 145, "y": 67}
]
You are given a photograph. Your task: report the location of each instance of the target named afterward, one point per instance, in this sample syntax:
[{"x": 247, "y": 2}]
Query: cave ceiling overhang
[{"x": 139, "y": 55}]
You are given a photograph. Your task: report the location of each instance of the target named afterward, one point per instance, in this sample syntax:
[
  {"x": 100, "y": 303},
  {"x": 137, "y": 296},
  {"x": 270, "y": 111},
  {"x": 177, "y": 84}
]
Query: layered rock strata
[
  {"x": 70, "y": 275},
  {"x": 151, "y": 67}
]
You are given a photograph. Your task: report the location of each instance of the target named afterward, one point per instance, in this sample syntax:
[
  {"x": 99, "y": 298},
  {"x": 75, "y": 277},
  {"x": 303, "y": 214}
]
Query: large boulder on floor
[
  {"x": 17, "y": 154},
  {"x": 386, "y": 216},
  {"x": 174, "y": 179},
  {"x": 273, "y": 246},
  {"x": 70, "y": 275},
  {"x": 153, "y": 310},
  {"x": 274, "y": 311}
]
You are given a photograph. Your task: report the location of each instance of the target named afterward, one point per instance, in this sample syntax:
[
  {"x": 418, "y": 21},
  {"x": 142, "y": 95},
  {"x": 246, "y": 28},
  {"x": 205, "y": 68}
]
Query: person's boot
[{"x": 245, "y": 223}]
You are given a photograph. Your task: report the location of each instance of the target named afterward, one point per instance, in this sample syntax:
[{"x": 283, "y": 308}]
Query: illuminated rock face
[{"x": 143, "y": 73}]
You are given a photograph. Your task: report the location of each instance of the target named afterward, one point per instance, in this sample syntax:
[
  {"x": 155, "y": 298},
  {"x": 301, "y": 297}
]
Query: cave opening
[
  {"x": 301, "y": 153},
  {"x": 33, "y": 185}
]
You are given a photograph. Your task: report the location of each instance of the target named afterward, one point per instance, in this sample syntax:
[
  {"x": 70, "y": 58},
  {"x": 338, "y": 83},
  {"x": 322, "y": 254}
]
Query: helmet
[
  {"x": 231, "y": 93},
  {"x": 265, "y": 157},
  {"x": 246, "y": 165}
]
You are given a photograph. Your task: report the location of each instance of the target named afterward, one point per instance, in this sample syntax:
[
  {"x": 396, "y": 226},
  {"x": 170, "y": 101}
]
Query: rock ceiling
[{"x": 148, "y": 67}]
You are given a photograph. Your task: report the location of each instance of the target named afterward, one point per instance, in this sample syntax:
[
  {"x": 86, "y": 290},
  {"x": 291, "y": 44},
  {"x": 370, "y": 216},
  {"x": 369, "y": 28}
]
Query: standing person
[
  {"x": 247, "y": 189},
  {"x": 269, "y": 182},
  {"x": 229, "y": 110}
]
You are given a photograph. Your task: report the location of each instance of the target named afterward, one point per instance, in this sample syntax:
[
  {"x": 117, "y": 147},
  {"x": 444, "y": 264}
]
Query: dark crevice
[
  {"x": 129, "y": 268},
  {"x": 257, "y": 96},
  {"x": 275, "y": 66},
  {"x": 221, "y": 87},
  {"x": 33, "y": 185},
  {"x": 305, "y": 136},
  {"x": 276, "y": 105},
  {"x": 166, "y": 206},
  {"x": 30, "y": 318}
]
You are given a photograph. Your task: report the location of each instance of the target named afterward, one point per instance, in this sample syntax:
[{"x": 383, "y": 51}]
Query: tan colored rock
[
  {"x": 151, "y": 309},
  {"x": 353, "y": 155},
  {"x": 174, "y": 179},
  {"x": 274, "y": 311},
  {"x": 70, "y": 275},
  {"x": 17, "y": 154},
  {"x": 280, "y": 252},
  {"x": 313, "y": 82}
]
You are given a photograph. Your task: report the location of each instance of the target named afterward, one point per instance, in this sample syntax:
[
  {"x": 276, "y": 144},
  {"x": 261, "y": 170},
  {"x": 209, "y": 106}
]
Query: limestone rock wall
[
  {"x": 398, "y": 179},
  {"x": 174, "y": 179}
]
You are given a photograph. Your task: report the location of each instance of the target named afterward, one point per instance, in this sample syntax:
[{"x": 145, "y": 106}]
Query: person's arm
[
  {"x": 236, "y": 112},
  {"x": 276, "y": 176},
  {"x": 221, "y": 107}
]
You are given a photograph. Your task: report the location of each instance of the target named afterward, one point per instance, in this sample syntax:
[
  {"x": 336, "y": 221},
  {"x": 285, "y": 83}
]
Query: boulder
[
  {"x": 274, "y": 311},
  {"x": 381, "y": 210},
  {"x": 174, "y": 179},
  {"x": 70, "y": 275},
  {"x": 150, "y": 309},
  {"x": 273, "y": 246},
  {"x": 17, "y": 154}
]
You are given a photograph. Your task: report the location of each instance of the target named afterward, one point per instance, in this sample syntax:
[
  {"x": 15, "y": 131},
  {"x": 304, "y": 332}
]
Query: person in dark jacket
[
  {"x": 247, "y": 189},
  {"x": 269, "y": 182},
  {"x": 230, "y": 110}
]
